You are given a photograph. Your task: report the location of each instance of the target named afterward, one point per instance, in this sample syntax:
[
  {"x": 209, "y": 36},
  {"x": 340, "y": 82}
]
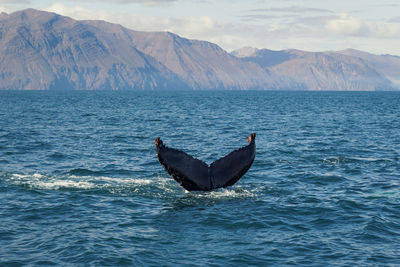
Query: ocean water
[{"x": 80, "y": 184}]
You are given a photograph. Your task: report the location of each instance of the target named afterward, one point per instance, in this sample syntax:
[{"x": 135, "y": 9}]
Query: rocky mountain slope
[
  {"x": 388, "y": 65},
  {"x": 201, "y": 64},
  {"x": 43, "y": 50},
  {"x": 301, "y": 70}
]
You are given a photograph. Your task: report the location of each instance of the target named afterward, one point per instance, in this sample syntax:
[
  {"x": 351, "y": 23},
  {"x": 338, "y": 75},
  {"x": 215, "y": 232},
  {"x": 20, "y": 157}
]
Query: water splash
[
  {"x": 73, "y": 182},
  {"x": 155, "y": 187}
]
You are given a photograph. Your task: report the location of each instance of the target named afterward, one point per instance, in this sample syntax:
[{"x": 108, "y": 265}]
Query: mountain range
[{"x": 46, "y": 51}]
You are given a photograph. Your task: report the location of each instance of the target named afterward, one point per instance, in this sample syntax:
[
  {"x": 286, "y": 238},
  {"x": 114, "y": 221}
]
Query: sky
[{"x": 311, "y": 25}]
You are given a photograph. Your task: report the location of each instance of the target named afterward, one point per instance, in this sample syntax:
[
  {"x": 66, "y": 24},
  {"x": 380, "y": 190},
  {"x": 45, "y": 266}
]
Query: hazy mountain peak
[
  {"x": 32, "y": 14},
  {"x": 36, "y": 19},
  {"x": 388, "y": 65},
  {"x": 297, "y": 69}
]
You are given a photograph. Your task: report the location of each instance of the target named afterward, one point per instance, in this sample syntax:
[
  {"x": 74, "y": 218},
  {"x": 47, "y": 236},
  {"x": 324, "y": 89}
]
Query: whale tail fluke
[{"x": 195, "y": 175}]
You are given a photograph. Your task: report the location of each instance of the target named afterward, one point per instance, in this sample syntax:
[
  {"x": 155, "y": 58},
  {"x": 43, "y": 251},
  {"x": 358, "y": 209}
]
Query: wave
[
  {"x": 344, "y": 159},
  {"x": 223, "y": 193},
  {"x": 152, "y": 187},
  {"x": 109, "y": 170},
  {"x": 39, "y": 181}
]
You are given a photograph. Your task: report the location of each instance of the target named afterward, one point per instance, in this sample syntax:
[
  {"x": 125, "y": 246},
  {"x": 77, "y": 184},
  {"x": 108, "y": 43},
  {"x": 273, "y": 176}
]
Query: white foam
[
  {"x": 393, "y": 193},
  {"x": 114, "y": 180},
  {"x": 40, "y": 181},
  {"x": 371, "y": 159},
  {"x": 224, "y": 193},
  {"x": 337, "y": 160},
  {"x": 55, "y": 185},
  {"x": 118, "y": 185}
]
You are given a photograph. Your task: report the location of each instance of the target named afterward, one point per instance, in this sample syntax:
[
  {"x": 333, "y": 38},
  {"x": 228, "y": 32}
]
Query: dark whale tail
[{"x": 195, "y": 175}]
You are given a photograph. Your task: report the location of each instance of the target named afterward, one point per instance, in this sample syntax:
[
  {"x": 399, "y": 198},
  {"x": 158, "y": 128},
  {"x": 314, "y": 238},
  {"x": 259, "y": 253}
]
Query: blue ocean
[{"x": 80, "y": 183}]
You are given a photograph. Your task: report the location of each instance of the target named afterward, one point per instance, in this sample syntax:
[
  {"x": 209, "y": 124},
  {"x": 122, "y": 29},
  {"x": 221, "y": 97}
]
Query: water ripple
[{"x": 80, "y": 184}]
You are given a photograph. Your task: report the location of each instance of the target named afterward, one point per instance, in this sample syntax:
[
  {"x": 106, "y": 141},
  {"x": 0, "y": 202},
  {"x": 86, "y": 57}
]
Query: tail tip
[
  {"x": 251, "y": 137},
  {"x": 157, "y": 141}
]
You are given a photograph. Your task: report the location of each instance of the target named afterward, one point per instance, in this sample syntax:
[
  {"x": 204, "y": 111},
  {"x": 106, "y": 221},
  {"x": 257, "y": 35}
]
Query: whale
[{"x": 195, "y": 175}]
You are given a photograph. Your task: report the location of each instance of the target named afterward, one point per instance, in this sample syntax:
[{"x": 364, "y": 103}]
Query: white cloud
[
  {"x": 316, "y": 32},
  {"x": 292, "y": 9},
  {"x": 347, "y": 25},
  {"x": 15, "y": 1},
  {"x": 9, "y": 6},
  {"x": 143, "y": 2},
  {"x": 5, "y": 9},
  {"x": 192, "y": 26},
  {"x": 188, "y": 27},
  {"x": 351, "y": 26},
  {"x": 394, "y": 19},
  {"x": 228, "y": 35},
  {"x": 66, "y": 11}
]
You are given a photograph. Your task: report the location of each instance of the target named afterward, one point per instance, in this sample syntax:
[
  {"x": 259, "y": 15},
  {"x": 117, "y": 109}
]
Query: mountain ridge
[
  {"x": 297, "y": 69},
  {"x": 48, "y": 51}
]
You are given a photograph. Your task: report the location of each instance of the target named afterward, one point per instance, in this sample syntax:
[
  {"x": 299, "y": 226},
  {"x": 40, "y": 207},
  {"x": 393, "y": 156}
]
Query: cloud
[
  {"x": 263, "y": 17},
  {"x": 351, "y": 26},
  {"x": 188, "y": 26},
  {"x": 323, "y": 23},
  {"x": 347, "y": 25},
  {"x": 394, "y": 20},
  {"x": 284, "y": 13},
  {"x": 148, "y": 2},
  {"x": 314, "y": 31},
  {"x": 292, "y": 9},
  {"x": 227, "y": 35},
  {"x": 15, "y": 2},
  {"x": 143, "y": 2},
  {"x": 76, "y": 12}
]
